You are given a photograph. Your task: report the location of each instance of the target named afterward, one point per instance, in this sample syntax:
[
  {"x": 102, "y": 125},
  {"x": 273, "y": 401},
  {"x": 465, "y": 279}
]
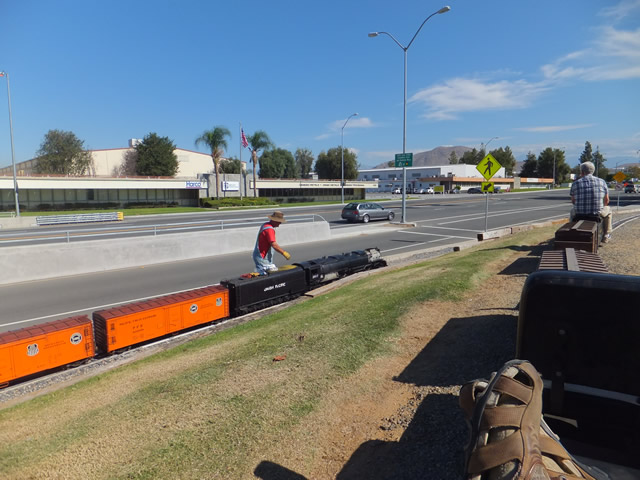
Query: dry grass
[{"x": 219, "y": 406}]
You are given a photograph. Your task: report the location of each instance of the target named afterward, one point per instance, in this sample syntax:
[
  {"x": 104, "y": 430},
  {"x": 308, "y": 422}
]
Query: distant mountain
[{"x": 436, "y": 157}]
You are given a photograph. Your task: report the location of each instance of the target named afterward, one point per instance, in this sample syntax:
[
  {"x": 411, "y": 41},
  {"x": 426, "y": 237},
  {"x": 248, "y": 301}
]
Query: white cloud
[
  {"x": 555, "y": 128},
  {"x": 614, "y": 54},
  {"x": 354, "y": 122},
  {"x": 457, "y": 95},
  {"x": 621, "y": 10}
]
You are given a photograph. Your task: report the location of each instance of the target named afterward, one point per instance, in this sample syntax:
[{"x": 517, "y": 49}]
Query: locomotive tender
[{"x": 40, "y": 349}]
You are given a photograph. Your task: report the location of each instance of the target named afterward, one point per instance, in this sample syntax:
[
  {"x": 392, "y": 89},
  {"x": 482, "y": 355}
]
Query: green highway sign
[{"x": 404, "y": 159}]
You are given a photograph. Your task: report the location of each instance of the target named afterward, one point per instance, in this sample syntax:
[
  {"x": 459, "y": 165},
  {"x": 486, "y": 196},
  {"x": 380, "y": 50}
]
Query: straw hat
[{"x": 277, "y": 217}]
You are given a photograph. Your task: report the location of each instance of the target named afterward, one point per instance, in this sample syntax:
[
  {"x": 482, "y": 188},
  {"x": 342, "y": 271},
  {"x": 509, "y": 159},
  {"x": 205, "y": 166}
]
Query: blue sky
[{"x": 535, "y": 73}]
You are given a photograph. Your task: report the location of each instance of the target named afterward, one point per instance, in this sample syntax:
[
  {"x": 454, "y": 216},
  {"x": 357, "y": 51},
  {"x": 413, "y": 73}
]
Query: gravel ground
[
  {"x": 424, "y": 436},
  {"x": 621, "y": 255}
]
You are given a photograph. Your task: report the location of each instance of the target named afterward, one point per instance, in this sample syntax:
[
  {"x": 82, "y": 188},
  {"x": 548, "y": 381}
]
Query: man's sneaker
[{"x": 606, "y": 238}]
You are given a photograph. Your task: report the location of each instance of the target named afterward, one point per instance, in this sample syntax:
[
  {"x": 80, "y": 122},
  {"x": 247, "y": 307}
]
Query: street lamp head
[
  {"x": 373, "y": 34},
  {"x": 444, "y": 9}
]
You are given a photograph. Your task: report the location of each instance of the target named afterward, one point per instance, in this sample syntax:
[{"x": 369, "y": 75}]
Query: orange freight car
[
  {"x": 44, "y": 347},
  {"x": 138, "y": 322}
]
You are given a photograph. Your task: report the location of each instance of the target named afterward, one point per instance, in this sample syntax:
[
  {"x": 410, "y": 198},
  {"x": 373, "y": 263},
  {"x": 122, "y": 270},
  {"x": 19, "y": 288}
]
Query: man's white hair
[{"x": 587, "y": 168}]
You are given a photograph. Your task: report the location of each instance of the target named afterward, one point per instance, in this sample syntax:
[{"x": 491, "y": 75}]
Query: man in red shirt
[{"x": 266, "y": 244}]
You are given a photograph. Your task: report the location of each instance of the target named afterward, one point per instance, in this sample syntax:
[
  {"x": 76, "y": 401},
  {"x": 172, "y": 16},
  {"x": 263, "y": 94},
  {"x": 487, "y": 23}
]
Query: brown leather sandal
[
  {"x": 504, "y": 416},
  {"x": 509, "y": 438}
]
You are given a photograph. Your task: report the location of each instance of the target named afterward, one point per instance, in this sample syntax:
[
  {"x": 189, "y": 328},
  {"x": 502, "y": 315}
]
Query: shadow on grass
[{"x": 432, "y": 445}]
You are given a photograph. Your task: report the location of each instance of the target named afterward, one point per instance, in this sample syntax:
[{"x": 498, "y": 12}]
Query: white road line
[
  {"x": 502, "y": 212},
  {"x": 406, "y": 246},
  {"x": 433, "y": 234},
  {"x": 99, "y": 307}
]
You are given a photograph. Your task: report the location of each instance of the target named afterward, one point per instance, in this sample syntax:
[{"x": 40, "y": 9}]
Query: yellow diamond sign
[
  {"x": 487, "y": 187},
  {"x": 488, "y": 166},
  {"x": 618, "y": 177}
]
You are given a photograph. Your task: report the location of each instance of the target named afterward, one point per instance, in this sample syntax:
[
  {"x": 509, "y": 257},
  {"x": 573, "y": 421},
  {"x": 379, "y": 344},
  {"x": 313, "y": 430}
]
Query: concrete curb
[{"x": 25, "y": 263}]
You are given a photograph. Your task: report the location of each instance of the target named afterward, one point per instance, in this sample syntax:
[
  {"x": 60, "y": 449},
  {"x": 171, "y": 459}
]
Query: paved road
[{"x": 440, "y": 221}]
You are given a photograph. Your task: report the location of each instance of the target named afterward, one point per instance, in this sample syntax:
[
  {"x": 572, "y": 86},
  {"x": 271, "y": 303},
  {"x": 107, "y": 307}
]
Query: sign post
[
  {"x": 404, "y": 160},
  {"x": 487, "y": 167},
  {"x": 619, "y": 177}
]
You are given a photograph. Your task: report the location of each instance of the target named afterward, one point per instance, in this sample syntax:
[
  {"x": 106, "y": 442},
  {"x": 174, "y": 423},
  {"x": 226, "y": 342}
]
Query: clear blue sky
[{"x": 535, "y": 73}]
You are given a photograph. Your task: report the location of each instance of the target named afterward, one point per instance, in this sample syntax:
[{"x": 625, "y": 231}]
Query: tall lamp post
[
  {"x": 342, "y": 152},
  {"x": 13, "y": 156},
  {"x": 404, "y": 118},
  {"x": 484, "y": 145}
]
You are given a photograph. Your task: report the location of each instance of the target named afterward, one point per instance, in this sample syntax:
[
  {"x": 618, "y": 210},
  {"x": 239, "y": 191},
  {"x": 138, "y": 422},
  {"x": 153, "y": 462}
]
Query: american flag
[{"x": 245, "y": 144}]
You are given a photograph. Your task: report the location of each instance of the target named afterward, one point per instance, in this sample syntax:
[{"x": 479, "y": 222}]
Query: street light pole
[
  {"x": 404, "y": 116},
  {"x": 13, "y": 156},
  {"x": 342, "y": 152}
]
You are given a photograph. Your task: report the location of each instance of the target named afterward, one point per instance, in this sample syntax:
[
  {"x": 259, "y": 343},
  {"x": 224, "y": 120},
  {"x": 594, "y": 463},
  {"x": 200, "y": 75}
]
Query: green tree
[
  {"x": 62, "y": 153},
  {"x": 505, "y": 157},
  {"x": 530, "y": 166},
  {"x": 277, "y": 163},
  {"x": 632, "y": 172},
  {"x": 586, "y": 155},
  {"x": 563, "y": 170},
  {"x": 472, "y": 157},
  {"x": 329, "y": 164},
  {"x": 128, "y": 165},
  {"x": 216, "y": 140},
  {"x": 598, "y": 161},
  {"x": 304, "y": 162},
  {"x": 453, "y": 158},
  {"x": 258, "y": 141},
  {"x": 545, "y": 163},
  {"x": 231, "y": 165},
  {"x": 156, "y": 157}
]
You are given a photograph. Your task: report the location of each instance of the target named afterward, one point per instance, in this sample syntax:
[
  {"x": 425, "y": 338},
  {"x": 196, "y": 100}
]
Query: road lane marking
[{"x": 434, "y": 234}]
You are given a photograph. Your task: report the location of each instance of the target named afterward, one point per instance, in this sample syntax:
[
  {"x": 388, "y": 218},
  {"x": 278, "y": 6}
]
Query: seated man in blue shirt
[{"x": 590, "y": 196}]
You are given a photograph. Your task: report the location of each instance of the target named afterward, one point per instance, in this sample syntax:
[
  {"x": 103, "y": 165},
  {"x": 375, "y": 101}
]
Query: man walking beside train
[{"x": 266, "y": 244}]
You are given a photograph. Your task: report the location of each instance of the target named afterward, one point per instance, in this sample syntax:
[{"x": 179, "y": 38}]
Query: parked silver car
[{"x": 365, "y": 211}]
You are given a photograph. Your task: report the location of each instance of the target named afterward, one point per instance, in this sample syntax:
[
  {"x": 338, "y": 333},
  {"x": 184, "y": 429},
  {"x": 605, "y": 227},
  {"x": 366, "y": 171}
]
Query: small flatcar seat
[{"x": 582, "y": 333}]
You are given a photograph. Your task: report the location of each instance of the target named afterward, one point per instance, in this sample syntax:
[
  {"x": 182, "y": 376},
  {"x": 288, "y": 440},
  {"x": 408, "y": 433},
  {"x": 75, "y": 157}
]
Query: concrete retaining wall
[{"x": 21, "y": 264}]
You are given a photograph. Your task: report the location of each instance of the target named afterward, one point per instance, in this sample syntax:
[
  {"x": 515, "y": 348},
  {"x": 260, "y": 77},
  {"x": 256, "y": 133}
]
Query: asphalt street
[{"x": 441, "y": 221}]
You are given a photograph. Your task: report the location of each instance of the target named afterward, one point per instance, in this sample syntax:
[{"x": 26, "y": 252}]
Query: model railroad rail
[
  {"x": 572, "y": 260},
  {"x": 42, "y": 349}
]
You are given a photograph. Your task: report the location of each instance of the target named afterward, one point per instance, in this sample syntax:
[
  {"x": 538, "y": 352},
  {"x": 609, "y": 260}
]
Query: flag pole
[{"x": 241, "y": 169}]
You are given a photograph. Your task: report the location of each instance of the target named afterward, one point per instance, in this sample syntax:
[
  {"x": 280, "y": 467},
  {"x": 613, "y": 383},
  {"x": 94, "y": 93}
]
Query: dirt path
[{"x": 399, "y": 416}]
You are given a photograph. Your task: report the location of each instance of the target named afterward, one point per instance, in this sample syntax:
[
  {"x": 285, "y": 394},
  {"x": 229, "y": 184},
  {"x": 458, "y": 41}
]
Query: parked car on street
[
  {"x": 397, "y": 190},
  {"x": 365, "y": 211},
  {"x": 430, "y": 191},
  {"x": 474, "y": 190},
  {"x": 419, "y": 190}
]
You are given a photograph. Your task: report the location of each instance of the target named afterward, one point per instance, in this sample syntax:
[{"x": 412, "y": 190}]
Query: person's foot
[{"x": 606, "y": 238}]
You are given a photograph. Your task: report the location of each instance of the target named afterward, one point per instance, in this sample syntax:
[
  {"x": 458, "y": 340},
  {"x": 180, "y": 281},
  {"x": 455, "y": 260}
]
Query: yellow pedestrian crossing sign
[
  {"x": 618, "y": 177},
  {"x": 487, "y": 187},
  {"x": 488, "y": 166}
]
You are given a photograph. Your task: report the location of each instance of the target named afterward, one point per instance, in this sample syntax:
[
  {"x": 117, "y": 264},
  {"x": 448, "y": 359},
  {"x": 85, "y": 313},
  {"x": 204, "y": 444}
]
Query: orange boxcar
[
  {"x": 43, "y": 347},
  {"x": 138, "y": 322}
]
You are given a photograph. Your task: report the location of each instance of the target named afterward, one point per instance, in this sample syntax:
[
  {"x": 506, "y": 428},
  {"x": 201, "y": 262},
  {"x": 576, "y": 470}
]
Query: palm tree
[
  {"x": 216, "y": 140},
  {"x": 258, "y": 141}
]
